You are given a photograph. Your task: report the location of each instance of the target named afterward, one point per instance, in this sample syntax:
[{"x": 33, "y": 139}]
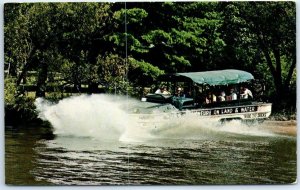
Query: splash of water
[
  {"x": 91, "y": 116},
  {"x": 107, "y": 117}
]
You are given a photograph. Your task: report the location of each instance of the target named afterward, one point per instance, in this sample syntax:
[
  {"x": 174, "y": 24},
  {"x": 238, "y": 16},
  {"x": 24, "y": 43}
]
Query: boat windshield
[{"x": 149, "y": 107}]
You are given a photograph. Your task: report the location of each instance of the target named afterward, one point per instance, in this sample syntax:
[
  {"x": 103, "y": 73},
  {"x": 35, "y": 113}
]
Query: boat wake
[{"x": 109, "y": 117}]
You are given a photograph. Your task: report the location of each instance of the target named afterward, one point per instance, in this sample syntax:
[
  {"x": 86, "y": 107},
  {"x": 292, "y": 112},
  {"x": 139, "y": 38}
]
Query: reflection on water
[{"x": 34, "y": 156}]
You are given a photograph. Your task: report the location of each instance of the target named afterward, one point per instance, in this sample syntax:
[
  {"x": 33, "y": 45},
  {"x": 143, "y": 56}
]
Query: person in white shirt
[
  {"x": 222, "y": 96},
  {"x": 158, "y": 91},
  {"x": 162, "y": 90},
  {"x": 246, "y": 93},
  {"x": 165, "y": 91},
  {"x": 233, "y": 94},
  {"x": 211, "y": 98}
]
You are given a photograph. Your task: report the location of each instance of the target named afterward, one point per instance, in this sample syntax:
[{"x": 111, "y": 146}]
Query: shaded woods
[{"x": 55, "y": 49}]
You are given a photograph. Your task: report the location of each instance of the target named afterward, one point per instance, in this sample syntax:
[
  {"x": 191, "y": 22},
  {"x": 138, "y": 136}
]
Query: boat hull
[{"x": 256, "y": 111}]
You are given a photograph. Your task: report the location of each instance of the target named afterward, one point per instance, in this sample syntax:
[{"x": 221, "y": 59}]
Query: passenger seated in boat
[
  {"x": 246, "y": 93},
  {"x": 211, "y": 98},
  {"x": 233, "y": 94},
  {"x": 159, "y": 90},
  {"x": 165, "y": 91},
  {"x": 228, "y": 98},
  {"x": 162, "y": 90},
  {"x": 222, "y": 96},
  {"x": 207, "y": 101}
]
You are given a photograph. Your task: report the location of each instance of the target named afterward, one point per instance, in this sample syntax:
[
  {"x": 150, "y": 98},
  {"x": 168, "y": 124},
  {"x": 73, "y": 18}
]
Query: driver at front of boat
[
  {"x": 177, "y": 99},
  {"x": 179, "y": 92}
]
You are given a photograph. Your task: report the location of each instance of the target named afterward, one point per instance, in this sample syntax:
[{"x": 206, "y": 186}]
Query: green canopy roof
[{"x": 218, "y": 77}]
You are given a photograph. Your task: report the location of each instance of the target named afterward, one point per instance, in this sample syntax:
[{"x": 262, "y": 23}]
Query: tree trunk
[
  {"x": 25, "y": 68},
  {"x": 12, "y": 70},
  {"x": 290, "y": 74},
  {"x": 93, "y": 88},
  {"x": 278, "y": 76},
  {"x": 276, "y": 72},
  {"x": 41, "y": 81},
  {"x": 77, "y": 86},
  {"x": 22, "y": 74}
]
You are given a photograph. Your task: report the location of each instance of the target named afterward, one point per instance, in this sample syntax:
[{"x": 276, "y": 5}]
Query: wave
[{"x": 109, "y": 117}]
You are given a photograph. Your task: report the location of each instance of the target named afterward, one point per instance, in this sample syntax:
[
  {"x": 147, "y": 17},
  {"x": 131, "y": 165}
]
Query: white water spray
[
  {"x": 91, "y": 116},
  {"x": 106, "y": 117}
]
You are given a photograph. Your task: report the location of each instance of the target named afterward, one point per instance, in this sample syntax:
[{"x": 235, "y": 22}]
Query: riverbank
[{"x": 281, "y": 127}]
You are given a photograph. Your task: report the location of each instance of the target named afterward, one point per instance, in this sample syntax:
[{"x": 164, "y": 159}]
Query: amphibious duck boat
[{"x": 217, "y": 95}]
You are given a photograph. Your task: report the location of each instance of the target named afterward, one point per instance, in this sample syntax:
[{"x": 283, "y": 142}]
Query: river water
[
  {"x": 89, "y": 149},
  {"x": 33, "y": 156}
]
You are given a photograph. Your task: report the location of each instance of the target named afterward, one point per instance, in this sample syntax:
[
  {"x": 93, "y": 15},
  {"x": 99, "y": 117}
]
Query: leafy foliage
[
  {"x": 264, "y": 42},
  {"x": 106, "y": 44},
  {"x": 10, "y": 90}
]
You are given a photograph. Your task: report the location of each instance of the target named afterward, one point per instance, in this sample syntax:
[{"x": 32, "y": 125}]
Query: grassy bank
[
  {"x": 283, "y": 116},
  {"x": 281, "y": 127}
]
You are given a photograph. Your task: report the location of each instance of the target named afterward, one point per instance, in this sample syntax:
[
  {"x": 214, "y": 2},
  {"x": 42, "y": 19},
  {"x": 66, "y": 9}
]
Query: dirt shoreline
[{"x": 281, "y": 127}]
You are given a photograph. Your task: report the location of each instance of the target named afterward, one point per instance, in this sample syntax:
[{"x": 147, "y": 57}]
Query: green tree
[
  {"x": 82, "y": 43},
  {"x": 112, "y": 70},
  {"x": 54, "y": 35},
  {"x": 18, "y": 45},
  {"x": 262, "y": 37},
  {"x": 185, "y": 38}
]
